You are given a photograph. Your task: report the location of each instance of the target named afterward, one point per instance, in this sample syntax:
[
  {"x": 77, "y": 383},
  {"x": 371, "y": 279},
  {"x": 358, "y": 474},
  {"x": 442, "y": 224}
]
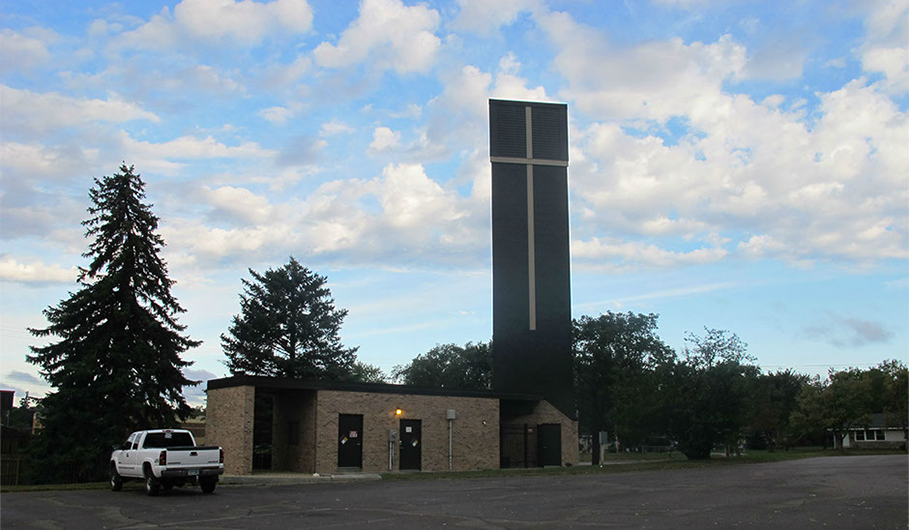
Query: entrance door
[
  {"x": 411, "y": 450},
  {"x": 550, "y": 444},
  {"x": 350, "y": 440}
]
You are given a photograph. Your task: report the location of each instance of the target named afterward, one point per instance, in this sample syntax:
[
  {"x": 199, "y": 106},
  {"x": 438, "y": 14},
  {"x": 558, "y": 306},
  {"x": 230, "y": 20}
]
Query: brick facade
[
  {"x": 305, "y": 417},
  {"x": 229, "y": 423},
  {"x": 544, "y": 412},
  {"x": 475, "y": 444}
]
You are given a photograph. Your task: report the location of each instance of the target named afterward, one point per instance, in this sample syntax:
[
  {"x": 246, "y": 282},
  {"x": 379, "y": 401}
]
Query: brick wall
[
  {"x": 475, "y": 445},
  {"x": 229, "y": 423},
  {"x": 544, "y": 412}
]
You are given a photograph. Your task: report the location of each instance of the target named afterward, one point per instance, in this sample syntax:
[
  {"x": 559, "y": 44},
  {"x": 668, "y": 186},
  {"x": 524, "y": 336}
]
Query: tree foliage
[
  {"x": 895, "y": 404},
  {"x": 772, "y": 400},
  {"x": 367, "y": 373},
  {"x": 614, "y": 358},
  {"x": 834, "y": 404},
  {"x": 288, "y": 326},
  {"x": 450, "y": 366},
  {"x": 705, "y": 395},
  {"x": 117, "y": 365}
]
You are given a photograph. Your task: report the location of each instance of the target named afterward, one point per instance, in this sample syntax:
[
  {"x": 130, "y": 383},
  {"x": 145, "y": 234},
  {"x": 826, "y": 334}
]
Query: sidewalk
[{"x": 266, "y": 479}]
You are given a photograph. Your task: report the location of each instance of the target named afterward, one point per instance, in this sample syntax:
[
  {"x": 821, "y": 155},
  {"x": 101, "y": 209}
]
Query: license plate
[{"x": 193, "y": 472}]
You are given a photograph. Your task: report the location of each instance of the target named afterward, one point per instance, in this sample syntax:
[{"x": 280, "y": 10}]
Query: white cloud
[
  {"x": 659, "y": 78},
  {"x": 781, "y": 59},
  {"x": 334, "y": 127},
  {"x": 384, "y": 139},
  {"x": 613, "y": 253},
  {"x": 32, "y": 113},
  {"x": 833, "y": 191},
  {"x": 205, "y": 245},
  {"x": 35, "y": 272},
  {"x": 277, "y": 115},
  {"x": 389, "y": 34},
  {"x": 398, "y": 218},
  {"x": 886, "y": 46},
  {"x": 21, "y": 52},
  {"x": 221, "y": 22},
  {"x": 38, "y": 160},
  {"x": 239, "y": 203},
  {"x": 484, "y": 17},
  {"x": 160, "y": 156},
  {"x": 457, "y": 118}
]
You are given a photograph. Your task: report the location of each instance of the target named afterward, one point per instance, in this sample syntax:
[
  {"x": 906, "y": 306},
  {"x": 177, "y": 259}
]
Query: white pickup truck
[{"x": 165, "y": 458}]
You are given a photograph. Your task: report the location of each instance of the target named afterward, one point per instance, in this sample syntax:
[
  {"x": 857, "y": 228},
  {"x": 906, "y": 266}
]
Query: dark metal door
[
  {"x": 350, "y": 440},
  {"x": 550, "y": 444},
  {"x": 411, "y": 444}
]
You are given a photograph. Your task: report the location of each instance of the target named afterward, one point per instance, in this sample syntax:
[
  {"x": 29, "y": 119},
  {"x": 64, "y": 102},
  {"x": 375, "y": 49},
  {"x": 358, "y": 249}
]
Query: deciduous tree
[
  {"x": 834, "y": 404},
  {"x": 450, "y": 366},
  {"x": 614, "y": 358},
  {"x": 704, "y": 395}
]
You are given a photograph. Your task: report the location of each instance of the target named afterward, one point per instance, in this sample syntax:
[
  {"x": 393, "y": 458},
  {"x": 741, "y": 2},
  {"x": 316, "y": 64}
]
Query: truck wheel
[
  {"x": 151, "y": 484},
  {"x": 116, "y": 481},
  {"x": 208, "y": 485}
]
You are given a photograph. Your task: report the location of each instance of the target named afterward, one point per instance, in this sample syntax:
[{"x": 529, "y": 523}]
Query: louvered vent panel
[
  {"x": 507, "y": 130},
  {"x": 550, "y": 137}
]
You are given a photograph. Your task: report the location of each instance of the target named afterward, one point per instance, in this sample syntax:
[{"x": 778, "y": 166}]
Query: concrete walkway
[{"x": 266, "y": 479}]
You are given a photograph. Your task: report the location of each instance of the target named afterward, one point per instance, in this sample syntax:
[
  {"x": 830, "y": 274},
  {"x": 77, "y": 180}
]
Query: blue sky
[{"x": 734, "y": 165}]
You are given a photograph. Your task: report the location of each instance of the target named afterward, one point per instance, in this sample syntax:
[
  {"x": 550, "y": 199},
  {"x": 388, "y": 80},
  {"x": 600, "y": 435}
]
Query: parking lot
[{"x": 834, "y": 492}]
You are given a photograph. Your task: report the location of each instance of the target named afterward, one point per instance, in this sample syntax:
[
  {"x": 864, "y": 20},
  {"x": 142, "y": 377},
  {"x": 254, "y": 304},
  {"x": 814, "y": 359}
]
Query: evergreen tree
[
  {"x": 117, "y": 365},
  {"x": 288, "y": 327}
]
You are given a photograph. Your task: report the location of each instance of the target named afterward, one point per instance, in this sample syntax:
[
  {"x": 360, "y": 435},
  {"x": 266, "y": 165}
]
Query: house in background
[{"x": 882, "y": 432}]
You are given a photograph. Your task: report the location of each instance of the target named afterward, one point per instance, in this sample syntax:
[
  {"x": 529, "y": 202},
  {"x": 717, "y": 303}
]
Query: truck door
[{"x": 128, "y": 459}]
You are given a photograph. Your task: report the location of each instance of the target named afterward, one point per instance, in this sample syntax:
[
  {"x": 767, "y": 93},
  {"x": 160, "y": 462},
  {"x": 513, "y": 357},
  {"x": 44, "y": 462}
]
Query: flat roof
[{"x": 290, "y": 383}]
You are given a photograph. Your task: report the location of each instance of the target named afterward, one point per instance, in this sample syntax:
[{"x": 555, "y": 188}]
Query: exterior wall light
[{"x": 398, "y": 412}]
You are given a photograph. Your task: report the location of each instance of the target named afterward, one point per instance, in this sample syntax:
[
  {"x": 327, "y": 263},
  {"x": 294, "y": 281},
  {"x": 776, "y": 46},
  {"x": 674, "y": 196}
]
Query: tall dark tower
[{"x": 531, "y": 285}]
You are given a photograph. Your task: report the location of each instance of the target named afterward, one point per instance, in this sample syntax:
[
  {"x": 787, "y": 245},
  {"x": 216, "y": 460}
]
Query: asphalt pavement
[{"x": 831, "y": 492}]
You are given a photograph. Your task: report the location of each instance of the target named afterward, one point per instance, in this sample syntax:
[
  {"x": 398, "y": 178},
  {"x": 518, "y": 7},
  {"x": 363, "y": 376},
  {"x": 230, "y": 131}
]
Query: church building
[{"x": 528, "y": 420}]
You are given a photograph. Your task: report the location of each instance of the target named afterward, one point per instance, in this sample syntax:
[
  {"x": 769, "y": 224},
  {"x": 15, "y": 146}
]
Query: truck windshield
[{"x": 163, "y": 440}]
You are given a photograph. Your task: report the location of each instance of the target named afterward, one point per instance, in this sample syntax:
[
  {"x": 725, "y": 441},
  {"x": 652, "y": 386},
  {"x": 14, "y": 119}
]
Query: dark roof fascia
[
  {"x": 878, "y": 421},
  {"x": 289, "y": 383}
]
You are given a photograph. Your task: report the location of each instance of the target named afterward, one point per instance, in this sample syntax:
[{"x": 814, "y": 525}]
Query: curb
[{"x": 301, "y": 478}]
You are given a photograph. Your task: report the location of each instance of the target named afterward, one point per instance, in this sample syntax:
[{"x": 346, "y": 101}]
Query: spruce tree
[
  {"x": 117, "y": 365},
  {"x": 288, "y": 327}
]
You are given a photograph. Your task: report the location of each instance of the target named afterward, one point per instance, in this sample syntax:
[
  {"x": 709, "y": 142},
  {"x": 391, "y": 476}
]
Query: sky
[{"x": 733, "y": 165}]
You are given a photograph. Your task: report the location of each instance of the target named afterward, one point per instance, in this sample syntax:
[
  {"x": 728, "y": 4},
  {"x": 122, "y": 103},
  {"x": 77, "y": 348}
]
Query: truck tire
[
  {"x": 152, "y": 486},
  {"x": 208, "y": 484},
  {"x": 116, "y": 481}
]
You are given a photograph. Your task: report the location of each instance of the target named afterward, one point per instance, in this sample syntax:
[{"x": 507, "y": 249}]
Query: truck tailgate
[{"x": 184, "y": 457}]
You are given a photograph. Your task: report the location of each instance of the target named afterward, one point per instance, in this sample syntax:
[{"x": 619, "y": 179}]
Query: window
[
  {"x": 879, "y": 435},
  {"x": 163, "y": 440},
  {"x": 859, "y": 436}
]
